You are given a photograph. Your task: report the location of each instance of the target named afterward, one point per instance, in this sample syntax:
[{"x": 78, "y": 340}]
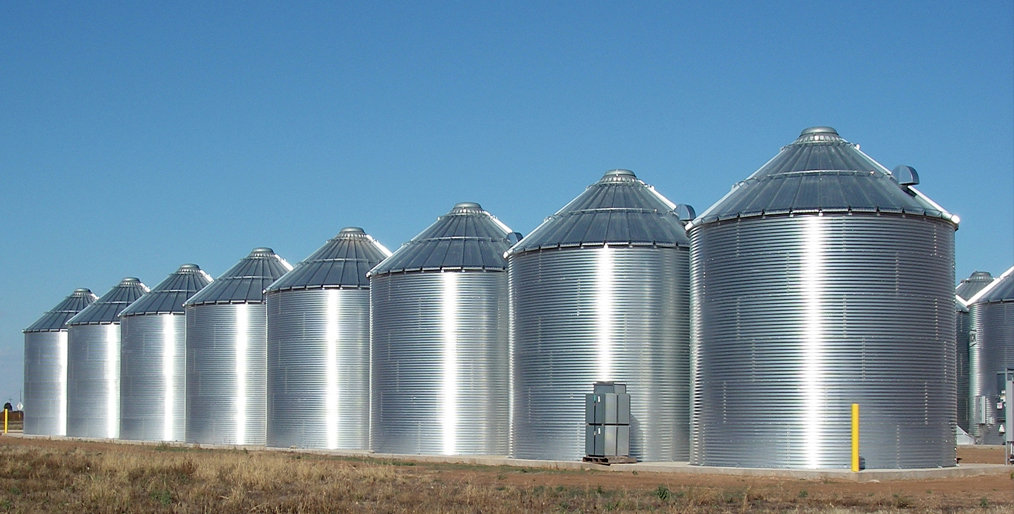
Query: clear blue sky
[{"x": 137, "y": 136}]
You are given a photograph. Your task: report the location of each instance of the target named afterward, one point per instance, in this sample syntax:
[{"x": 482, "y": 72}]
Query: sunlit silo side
[
  {"x": 93, "y": 363},
  {"x": 991, "y": 353},
  {"x": 600, "y": 292},
  {"x": 439, "y": 339},
  {"x": 153, "y": 349},
  {"x": 46, "y": 366},
  {"x": 962, "y": 329},
  {"x": 820, "y": 281},
  {"x": 319, "y": 347},
  {"x": 227, "y": 353}
]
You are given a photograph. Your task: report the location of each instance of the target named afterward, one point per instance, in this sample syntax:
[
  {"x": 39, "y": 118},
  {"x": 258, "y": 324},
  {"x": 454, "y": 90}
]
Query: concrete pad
[{"x": 675, "y": 468}]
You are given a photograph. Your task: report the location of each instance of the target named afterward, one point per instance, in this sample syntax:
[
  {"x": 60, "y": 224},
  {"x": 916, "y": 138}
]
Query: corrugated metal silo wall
[
  {"x": 796, "y": 318},
  {"x": 962, "y": 322},
  {"x": 440, "y": 363},
  {"x": 565, "y": 306},
  {"x": 226, "y": 374},
  {"x": 93, "y": 381},
  {"x": 990, "y": 355},
  {"x": 46, "y": 383},
  {"x": 153, "y": 377},
  {"x": 319, "y": 369}
]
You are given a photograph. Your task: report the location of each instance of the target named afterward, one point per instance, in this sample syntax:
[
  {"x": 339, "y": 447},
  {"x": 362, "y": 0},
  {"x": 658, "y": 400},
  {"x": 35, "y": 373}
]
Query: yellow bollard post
[
  {"x": 855, "y": 437},
  {"x": 5, "y": 421}
]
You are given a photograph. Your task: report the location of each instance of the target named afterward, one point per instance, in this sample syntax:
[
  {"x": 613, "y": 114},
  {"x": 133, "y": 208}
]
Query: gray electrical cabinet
[{"x": 607, "y": 423}]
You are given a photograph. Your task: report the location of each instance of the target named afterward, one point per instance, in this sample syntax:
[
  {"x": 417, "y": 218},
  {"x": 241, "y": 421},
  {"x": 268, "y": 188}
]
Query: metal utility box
[
  {"x": 607, "y": 418},
  {"x": 607, "y": 409},
  {"x": 607, "y": 440}
]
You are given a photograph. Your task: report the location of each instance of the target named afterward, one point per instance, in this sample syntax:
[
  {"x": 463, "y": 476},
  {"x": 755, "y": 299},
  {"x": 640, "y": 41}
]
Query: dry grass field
[{"x": 68, "y": 476}]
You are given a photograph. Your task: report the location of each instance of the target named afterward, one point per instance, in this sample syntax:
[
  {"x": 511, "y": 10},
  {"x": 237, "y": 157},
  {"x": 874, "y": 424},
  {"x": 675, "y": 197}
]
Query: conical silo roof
[
  {"x": 245, "y": 282},
  {"x": 973, "y": 284},
  {"x": 618, "y": 209},
  {"x": 107, "y": 308},
  {"x": 821, "y": 172},
  {"x": 342, "y": 263},
  {"x": 56, "y": 319},
  {"x": 1000, "y": 290},
  {"x": 168, "y": 296},
  {"x": 467, "y": 238}
]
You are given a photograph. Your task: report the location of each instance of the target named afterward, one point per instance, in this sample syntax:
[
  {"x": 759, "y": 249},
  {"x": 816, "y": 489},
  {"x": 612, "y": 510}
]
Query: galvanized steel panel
[
  {"x": 342, "y": 262},
  {"x": 439, "y": 345},
  {"x": 226, "y": 374},
  {"x": 820, "y": 172},
  {"x": 93, "y": 381},
  {"x": 318, "y": 388},
  {"x": 153, "y": 377},
  {"x": 598, "y": 314},
  {"x": 618, "y": 209},
  {"x": 168, "y": 296},
  {"x": 797, "y": 317},
  {"x": 245, "y": 282},
  {"x": 467, "y": 238},
  {"x": 56, "y": 319},
  {"x": 46, "y": 366},
  {"x": 46, "y": 383}
]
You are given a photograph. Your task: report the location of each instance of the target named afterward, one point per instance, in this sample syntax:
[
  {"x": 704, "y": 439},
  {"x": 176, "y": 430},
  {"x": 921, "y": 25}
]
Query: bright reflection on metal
[
  {"x": 242, "y": 343},
  {"x": 604, "y": 312},
  {"x": 61, "y": 416},
  {"x": 112, "y": 377},
  {"x": 812, "y": 342},
  {"x": 333, "y": 393},
  {"x": 168, "y": 356},
  {"x": 450, "y": 385}
]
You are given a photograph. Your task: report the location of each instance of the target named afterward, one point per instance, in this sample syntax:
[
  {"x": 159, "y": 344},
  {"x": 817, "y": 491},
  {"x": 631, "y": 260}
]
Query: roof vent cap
[
  {"x": 352, "y": 231},
  {"x": 262, "y": 250},
  {"x": 905, "y": 175},
  {"x": 818, "y": 130},
  {"x": 685, "y": 212},
  {"x": 190, "y": 267},
  {"x": 82, "y": 291},
  {"x": 466, "y": 208}
]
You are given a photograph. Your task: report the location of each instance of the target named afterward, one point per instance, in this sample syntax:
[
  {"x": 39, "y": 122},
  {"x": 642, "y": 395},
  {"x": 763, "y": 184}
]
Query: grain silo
[
  {"x": 153, "y": 349},
  {"x": 439, "y": 339},
  {"x": 991, "y": 353},
  {"x": 963, "y": 328},
  {"x": 319, "y": 347},
  {"x": 820, "y": 281},
  {"x": 227, "y": 352},
  {"x": 600, "y": 292},
  {"x": 46, "y": 366},
  {"x": 93, "y": 363}
]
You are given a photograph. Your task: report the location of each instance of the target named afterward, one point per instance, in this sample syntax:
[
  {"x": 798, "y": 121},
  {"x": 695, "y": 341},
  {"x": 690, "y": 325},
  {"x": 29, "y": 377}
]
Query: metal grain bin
[
  {"x": 46, "y": 366},
  {"x": 991, "y": 353},
  {"x": 153, "y": 349},
  {"x": 227, "y": 353},
  {"x": 93, "y": 363},
  {"x": 963, "y": 327},
  {"x": 820, "y": 281},
  {"x": 600, "y": 292},
  {"x": 439, "y": 340},
  {"x": 319, "y": 347}
]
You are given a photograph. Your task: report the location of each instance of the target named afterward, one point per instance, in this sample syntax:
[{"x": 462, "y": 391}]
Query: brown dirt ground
[{"x": 539, "y": 490}]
